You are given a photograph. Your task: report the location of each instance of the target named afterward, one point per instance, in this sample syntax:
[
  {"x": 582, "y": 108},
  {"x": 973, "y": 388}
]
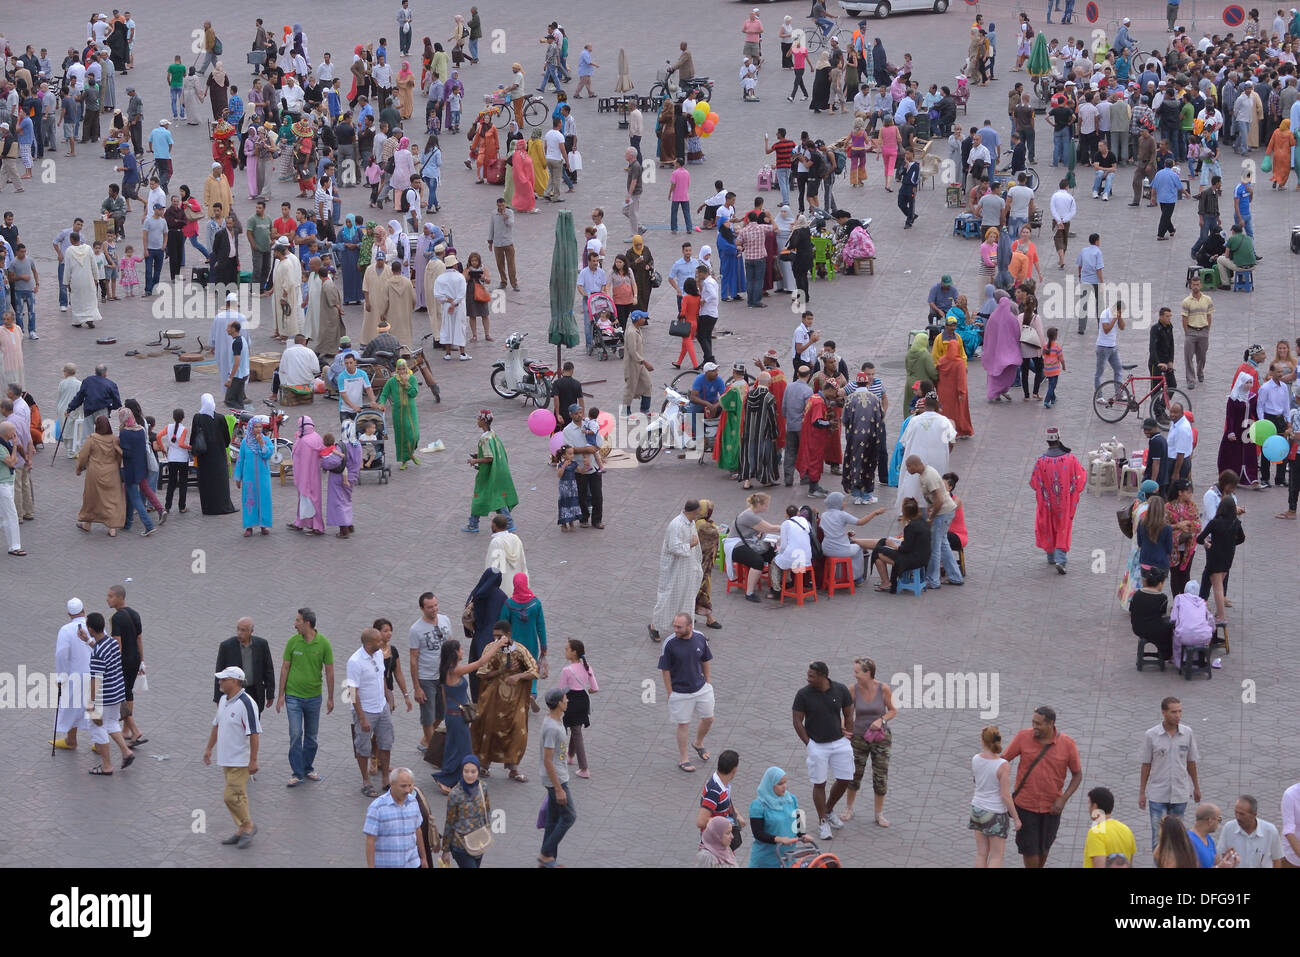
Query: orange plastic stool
[
  {"x": 742, "y": 573},
  {"x": 831, "y": 574},
  {"x": 800, "y": 585}
]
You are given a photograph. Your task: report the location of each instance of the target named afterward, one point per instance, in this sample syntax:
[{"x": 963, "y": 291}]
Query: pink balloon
[
  {"x": 708, "y": 126},
  {"x": 605, "y": 422},
  {"x": 557, "y": 442},
  {"x": 541, "y": 422}
]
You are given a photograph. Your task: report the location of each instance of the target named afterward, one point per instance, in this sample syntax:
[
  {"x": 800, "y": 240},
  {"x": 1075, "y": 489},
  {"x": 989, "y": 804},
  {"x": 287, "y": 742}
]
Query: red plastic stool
[
  {"x": 831, "y": 574},
  {"x": 742, "y": 573},
  {"x": 800, "y": 585}
]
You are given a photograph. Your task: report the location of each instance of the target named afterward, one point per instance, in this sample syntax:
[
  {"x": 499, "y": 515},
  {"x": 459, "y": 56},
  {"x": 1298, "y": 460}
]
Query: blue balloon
[{"x": 1276, "y": 448}]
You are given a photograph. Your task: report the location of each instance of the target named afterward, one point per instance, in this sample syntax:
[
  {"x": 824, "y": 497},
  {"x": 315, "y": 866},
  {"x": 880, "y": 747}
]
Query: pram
[
  {"x": 805, "y": 855},
  {"x": 606, "y": 335},
  {"x": 374, "y": 454}
]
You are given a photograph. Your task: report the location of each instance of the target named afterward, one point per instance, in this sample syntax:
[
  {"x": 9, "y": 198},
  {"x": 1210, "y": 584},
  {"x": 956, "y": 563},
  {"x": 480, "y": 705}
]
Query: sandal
[
  {"x": 17, "y": 553},
  {"x": 880, "y": 821},
  {"x": 369, "y": 791},
  {"x": 704, "y": 755},
  {"x": 686, "y": 766},
  {"x": 85, "y": 527},
  {"x": 516, "y": 775},
  {"x": 99, "y": 771},
  {"x": 248, "y": 533}
]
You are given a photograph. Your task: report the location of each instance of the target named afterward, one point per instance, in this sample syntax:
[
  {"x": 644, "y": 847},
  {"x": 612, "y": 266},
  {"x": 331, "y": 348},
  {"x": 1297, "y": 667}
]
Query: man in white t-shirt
[
  {"x": 553, "y": 141},
  {"x": 235, "y": 733},
  {"x": 1180, "y": 444},
  {"x": 299, "y": 366},
  {"x": 1108, "y": 327},
  {"x": 372, "y": 723},
  {"x": 354, "y": 387}
]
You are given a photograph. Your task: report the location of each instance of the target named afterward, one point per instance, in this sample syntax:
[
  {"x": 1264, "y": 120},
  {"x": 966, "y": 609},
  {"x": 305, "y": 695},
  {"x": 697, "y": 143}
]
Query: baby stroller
[
  {"x": 807, "y": 855},
  {"x": 605, "y": 332},
  {"x": 374, "y": 445}
]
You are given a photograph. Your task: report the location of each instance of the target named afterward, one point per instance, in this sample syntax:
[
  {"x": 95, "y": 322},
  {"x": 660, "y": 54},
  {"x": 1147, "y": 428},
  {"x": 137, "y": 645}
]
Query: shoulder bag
[
  {"x": 656, "y": 280},
  {"x": 428, "y": 830},
  {"x": 1029, "y": 337},
  {"x": 680, "y": 328},
  {"x": 480, "y": 292},
  {"x": 1125, "y": 518},
  {"x": 200, "y": 442},
  {"x": 478, "y": 840},
  {"x": 1033, "y": 764}
]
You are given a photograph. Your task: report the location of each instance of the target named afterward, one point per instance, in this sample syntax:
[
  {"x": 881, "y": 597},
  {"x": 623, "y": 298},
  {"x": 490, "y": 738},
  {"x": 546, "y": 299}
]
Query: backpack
[
  {"x": 841, "y": 161},
  {"x": 216, "y": 46},
  {"x": 818, "y": 169}
]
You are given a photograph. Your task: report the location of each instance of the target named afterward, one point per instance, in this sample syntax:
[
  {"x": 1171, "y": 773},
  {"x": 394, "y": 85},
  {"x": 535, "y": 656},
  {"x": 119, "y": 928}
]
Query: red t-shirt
[
  {"x": 284, "y": 226},
  {"x": 1046, "y": 783}
]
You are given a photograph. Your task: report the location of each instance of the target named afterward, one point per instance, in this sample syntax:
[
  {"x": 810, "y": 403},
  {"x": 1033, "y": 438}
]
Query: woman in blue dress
[
  {"x": 733, "y": 269},
  {"x": 774, "y": 819},
  {"x": 972, "y": 335},
  {"x": 253, "y": 476},
  {"x": 457, "y": 746},
  {"x": 349, "y": 243}
]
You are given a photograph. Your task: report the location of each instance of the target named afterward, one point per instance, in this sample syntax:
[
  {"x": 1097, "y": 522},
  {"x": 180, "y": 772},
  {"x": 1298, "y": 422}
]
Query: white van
[{"x": 883, "y": 8}]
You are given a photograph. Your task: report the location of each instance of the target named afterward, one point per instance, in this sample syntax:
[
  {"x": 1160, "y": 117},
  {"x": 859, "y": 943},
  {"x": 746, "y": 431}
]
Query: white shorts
[
  {"x": 683, "y": 708},
  {"x": 837, "y": 756},
  {"x": 99, "y": 733}
]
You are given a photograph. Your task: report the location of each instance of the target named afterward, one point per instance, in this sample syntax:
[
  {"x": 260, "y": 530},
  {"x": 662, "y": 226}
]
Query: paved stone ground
[{"x": 1049, "y": 640}]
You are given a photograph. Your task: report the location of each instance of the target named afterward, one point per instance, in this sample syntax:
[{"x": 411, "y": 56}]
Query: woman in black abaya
[{"x": 211, "y": 432}]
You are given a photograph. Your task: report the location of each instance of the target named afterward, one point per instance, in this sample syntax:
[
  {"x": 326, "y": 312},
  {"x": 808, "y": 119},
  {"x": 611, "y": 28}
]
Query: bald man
[
  {"x": 251, "y": 653},
  {"x": 372, "y": 724}
]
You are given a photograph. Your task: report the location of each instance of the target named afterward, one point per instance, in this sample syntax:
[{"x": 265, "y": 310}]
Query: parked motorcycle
[{"x": 520, "y": 376}]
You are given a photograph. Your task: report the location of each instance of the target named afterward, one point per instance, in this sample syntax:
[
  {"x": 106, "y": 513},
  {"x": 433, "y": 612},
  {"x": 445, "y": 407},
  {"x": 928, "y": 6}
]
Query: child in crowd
[
  {"x": 567, "y": 471},
  {"x": 579, "y": 683},
  {"x": 369, "y": 444},
  {"x": 174, "y": 442},
  {"x": 111, "y": 267},
  {"x": 453, "y": 104},
  {"x": 1053, "y": 364},
  {"x": 101, "y": 268},
  {"x": 128, "y": 274}
]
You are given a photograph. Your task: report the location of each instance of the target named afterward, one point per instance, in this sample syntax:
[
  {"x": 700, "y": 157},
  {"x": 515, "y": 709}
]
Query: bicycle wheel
[
  {"x": 503, "y": 117},
  {"x": 683, "y": 381},
  {"x": 535, "y": 113},
  {"x": 650, "y": 447},
  {"x": 1111, "y": 401},
  {"x": 1159, "y": 410},
  {"x": 813, "y": 39},
  {"x": 1031, "y": 178}
]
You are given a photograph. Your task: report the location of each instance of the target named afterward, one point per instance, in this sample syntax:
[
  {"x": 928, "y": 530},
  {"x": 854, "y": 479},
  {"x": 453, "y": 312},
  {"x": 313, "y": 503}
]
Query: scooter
[
  {"x": 518, "y": 375},
  {"x": 669, "y": 428}
]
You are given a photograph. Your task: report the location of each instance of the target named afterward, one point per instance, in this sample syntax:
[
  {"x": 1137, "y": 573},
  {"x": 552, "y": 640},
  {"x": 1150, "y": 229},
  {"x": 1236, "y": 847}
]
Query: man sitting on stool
[{"x": 1240, "y": 255}]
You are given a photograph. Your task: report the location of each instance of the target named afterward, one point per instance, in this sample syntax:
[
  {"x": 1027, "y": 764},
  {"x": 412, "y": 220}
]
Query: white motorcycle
[
  {"x": 518, "y": 375},
  {"x": 670, "y": 428}
]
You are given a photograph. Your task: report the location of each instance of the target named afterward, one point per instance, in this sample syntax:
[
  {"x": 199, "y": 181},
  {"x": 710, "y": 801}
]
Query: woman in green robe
[
  {"x": 399, "y": 395},
  {"x": 919, "y": 364},
  {"x": 365, "y": 252},
  {"x": 726, "y": 447},
  {"x": 494, "y": 489}
]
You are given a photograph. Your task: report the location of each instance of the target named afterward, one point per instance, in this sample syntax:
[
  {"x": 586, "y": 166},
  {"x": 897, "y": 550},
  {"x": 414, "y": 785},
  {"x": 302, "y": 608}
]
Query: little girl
[
  {"x": 691, "y": 313},
  {"x": 373, "y": 176},
  {"x": 127, "y": 268},
  {"x": 110, "y": 266},
  {"x": 989, "y": 252},
  {"x": 567, "y": 470},
  {"x": 1053, "y": 365},
  {"x": 579, "y": 684}
]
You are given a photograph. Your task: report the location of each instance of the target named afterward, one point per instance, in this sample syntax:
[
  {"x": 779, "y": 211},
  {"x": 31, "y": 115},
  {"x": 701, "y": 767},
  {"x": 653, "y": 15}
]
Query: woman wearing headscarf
[
  {"x": 119, "y": 48},
  {"x": 210, "y": 439},
  {"x": 1279, "y": 148},
  {"x": 487, "y": 147},
  {"x": 405, "y": 84},
  {"x": 774, "y": 819},
  {"x": 403, "y": 170},
  {"x": 537, "y": 153},
  {"x": 919, "y": 364},
  {"x": 715, "y": 844},
  {"x": 193, "y": 92},
  {"x": 441, "y": 62},
  {"x": 710, "y": 537},
  {"x": 399, "y": 395},
  {"x": 102, "y": 501},
  {"x": 343, "y": 463},
  {"x": 306, "y": 479},
  {"x": 349, "y": 245},
  {"x": 426, "y": 65},
  {"x": 1236, "y": 451},
  {"x": 642, "y": 265},
  {"x": 733, "y": 267},
  {"x": 468, "y": 810},
  {"x": 523, "y": 610},
  {"x": 253, "y": 476},
  {"x": 1001, "y": 358},
  {"x": 501, "y": 732},
  {"x": 482, "y": 611},
  {"x": 453, "y": 670},
  {"x": 1131, "y": 580},
  {"x": 524, "y": 196},
  {"x": 666, "y": 130},
  {"x": 134, "y": 443},
  {"x": 821, "y": 89},
  {"x": 218, "y": 91},
  {"x": 949, "y": 355}
]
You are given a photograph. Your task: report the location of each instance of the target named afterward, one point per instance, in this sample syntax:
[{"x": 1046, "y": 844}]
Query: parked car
[{"x": 883, "y": 8}]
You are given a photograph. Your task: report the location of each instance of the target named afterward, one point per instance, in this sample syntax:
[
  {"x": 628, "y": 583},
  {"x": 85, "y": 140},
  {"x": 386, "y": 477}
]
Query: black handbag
[
  {"x": 737, "y": 836},
  {"x": 679, "y": 328},
  {"x": 656, "y": 280}
]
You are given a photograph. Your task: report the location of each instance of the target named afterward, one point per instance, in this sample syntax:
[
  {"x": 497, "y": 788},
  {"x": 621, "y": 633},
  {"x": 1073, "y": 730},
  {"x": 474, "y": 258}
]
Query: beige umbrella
[{"x": 624, "y": 84}]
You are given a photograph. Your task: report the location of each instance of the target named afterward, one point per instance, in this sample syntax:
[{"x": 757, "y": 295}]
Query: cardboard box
[{"x": 262, "y": 366}]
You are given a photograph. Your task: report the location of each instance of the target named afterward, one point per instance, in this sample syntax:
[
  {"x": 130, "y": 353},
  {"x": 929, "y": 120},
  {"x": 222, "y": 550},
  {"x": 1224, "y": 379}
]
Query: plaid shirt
[
  {"x": 235, "y": 105},
  {"x": 752, "y": 240},
  {"x": 393, "y": 827}
]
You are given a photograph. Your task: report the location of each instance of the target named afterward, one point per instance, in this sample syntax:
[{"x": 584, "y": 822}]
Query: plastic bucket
[{"x": 181, "y": 371}]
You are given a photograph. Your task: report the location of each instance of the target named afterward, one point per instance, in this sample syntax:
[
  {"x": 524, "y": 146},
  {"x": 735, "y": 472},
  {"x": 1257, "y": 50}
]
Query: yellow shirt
[
  {"x": 1198, "y": 311},
  {"x": 1108, "y": 836}
]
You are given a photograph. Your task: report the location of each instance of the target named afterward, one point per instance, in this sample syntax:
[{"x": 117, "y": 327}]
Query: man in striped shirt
[
  {"x": 784, "y": 149},
  {"x": 107, "y": 692}
]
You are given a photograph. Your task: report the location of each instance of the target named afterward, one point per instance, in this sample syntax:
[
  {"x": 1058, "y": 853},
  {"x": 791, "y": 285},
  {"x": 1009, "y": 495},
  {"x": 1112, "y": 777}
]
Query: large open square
[{"x": 1022, "y": 635}]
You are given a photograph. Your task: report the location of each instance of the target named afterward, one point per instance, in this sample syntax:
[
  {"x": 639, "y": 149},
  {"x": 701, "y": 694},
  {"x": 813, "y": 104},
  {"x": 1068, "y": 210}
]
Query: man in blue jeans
[
  {"x": 61, "y": 243},
  {"x": 1169, "y": 757},
  {"x": 941, "y": 510},
  {"x": 306, "y": 654},
  {"x": 560, "y": 813}
]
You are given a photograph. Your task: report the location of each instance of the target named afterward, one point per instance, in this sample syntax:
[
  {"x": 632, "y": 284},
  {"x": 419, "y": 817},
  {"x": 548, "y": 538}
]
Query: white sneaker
[
  {"x": 824, "y": 831},
  {"x": 465, "y": 358},
  {"x": 33, "y": 336},
  {"x": 834, "y": 821},
  {"x": 870, "y": 500},
  {"x": 1106, "y": 198},
  {"x": 1094, "y": 194},
  {"x": 63, "y": 308}
]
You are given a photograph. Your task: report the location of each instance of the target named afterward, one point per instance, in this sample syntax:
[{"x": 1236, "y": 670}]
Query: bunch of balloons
[
  {"x": 705, "y": 119},
  {"x": 541, "y": 422}
]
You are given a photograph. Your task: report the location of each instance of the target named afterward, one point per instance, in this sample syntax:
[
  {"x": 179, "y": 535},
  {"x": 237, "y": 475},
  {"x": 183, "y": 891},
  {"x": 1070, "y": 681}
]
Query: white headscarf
[
  {"x": 1241, "y": 387},
  {"x": 207, "y": 404}
]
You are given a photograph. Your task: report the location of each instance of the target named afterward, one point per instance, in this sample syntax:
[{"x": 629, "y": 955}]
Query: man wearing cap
[
  {"x": 1123, "y": 41},
  {"x": 636, "y": 370},
  {"x": 160, "y": 145},
  {"x": 72, "y": 665},
  {"x": 1058, "y": 480},
  {"x": 236, "y": 731},
  {"x": 942, "y": 297}
]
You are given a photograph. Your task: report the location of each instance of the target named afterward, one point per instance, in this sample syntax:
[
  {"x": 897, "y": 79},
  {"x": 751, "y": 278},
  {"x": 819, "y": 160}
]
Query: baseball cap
[
  {"x": 709, "y": 367},
  {"x": 164, "y": 122},
  {"x": 641, "y": 314},
  {"x": 231, "y": 672},
  {"x": 159, "y": 206},
  {"x": 232, "y": 297},
  {"x": 574, "y": 407},
  {"x": 945, "y": 280},
  {"x": 75, "y": 607}
]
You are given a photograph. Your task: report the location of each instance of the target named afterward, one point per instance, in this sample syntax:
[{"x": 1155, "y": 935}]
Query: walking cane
[
  {"x": 55, "y": 737},
  {"x": 62, "y": 431}
]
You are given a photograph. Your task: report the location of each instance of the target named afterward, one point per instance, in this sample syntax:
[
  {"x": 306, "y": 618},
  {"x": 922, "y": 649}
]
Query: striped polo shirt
[
  {"x": 783, "y": 150},
  {"x": 106, "y": 665}
]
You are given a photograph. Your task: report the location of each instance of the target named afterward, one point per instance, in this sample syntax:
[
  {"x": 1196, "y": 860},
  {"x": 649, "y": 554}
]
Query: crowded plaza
[{"x": 471, "y": 294}]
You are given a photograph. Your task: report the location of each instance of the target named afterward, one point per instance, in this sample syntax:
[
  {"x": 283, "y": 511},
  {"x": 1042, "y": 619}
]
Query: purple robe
[
  {"x": 338, "y": 507},
  {"x": 306, "y": 475},
  {"x": 1001, "y": 356}
]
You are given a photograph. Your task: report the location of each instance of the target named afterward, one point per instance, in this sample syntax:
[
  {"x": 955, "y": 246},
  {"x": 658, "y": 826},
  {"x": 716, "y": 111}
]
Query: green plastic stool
[{"x": 1209, "y": 279}]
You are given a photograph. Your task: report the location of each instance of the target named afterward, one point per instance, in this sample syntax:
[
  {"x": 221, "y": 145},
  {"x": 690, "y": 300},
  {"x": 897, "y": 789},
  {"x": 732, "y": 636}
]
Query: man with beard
[{"x": 758, "y": 434}]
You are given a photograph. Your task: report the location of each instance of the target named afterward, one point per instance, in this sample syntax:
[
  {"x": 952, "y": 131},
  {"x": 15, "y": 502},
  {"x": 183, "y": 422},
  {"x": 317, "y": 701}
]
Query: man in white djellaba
[
  {"x": 449, "y": 291},
  {"x": 83, "y": 285},
  {"x": 681, "y": 570}
]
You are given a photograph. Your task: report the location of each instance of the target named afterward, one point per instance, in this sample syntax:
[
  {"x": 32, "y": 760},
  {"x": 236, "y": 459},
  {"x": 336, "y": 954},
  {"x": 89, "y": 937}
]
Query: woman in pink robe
[
  {"x": 521, "y": 165},
  {"x": 306, "y": 479},
  {"x": 1001, "y": 356},
  {"x": 343, "y": 463}
]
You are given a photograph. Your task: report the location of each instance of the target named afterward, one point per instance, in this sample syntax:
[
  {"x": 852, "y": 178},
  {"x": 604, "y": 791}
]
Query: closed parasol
[
  {"x": 624, "y": 83},
  {"x": 1039, "y": 63},
  {"x": 563, "y": 330}
]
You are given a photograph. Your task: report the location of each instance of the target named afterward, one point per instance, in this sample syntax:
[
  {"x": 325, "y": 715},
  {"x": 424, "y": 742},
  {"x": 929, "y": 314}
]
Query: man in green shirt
[
  {"x": 258, "y": 228},
  {"x": 175, "y": 79},
  {"x": 1240, "y": 255},
  {"x": 300, "y": 689}
]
